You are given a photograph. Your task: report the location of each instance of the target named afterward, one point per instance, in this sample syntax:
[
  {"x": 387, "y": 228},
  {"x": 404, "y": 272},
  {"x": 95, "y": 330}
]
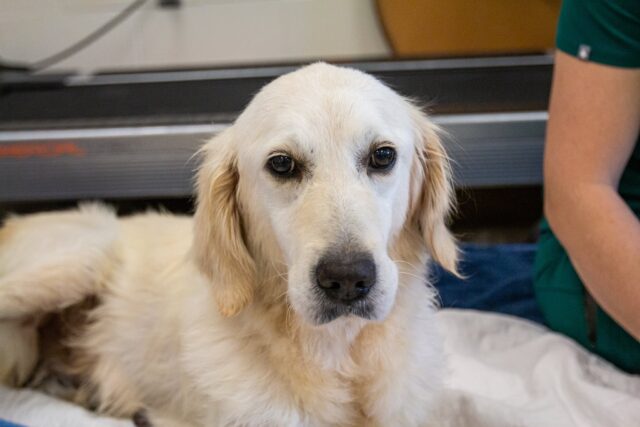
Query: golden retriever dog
[{"x": 296, "y": 296}]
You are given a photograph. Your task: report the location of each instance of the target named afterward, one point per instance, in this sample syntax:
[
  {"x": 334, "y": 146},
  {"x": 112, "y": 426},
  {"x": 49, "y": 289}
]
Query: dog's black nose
[{"x": 346, "y": 278}]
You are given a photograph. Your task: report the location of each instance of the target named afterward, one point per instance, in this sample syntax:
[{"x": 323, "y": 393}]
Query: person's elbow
[
  {"x": 552, "y": 213},
  {"x": 559, "y": 202}
]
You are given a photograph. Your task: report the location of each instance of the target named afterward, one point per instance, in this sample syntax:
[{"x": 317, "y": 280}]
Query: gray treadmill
[{"x": 124, "y": 135}]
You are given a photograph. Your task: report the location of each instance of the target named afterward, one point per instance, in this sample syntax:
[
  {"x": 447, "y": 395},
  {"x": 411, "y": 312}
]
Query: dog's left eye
[
  {"x": 281, "y": 165},
  {"x": 382, "y": 159}
]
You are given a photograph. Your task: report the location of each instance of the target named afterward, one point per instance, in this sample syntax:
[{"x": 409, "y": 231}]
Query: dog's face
[{"x": 321, "y": 173}]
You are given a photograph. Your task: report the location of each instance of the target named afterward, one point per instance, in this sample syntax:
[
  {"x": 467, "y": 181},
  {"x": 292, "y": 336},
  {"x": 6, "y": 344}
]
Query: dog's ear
[
  {"x": 219, "y": 247},
  {"x": 432, "y": 196}
]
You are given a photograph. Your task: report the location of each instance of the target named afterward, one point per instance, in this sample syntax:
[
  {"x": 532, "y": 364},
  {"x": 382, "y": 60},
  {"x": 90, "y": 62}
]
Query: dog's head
[{"x": 320, "y": 176}]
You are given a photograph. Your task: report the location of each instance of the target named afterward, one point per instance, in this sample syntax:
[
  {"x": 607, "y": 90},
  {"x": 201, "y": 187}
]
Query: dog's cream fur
[{"x": 212, "y": 321}]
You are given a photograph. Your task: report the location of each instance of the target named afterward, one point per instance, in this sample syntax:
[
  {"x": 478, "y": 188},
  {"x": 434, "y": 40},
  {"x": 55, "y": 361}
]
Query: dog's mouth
[{"x": 329, "y": 310}]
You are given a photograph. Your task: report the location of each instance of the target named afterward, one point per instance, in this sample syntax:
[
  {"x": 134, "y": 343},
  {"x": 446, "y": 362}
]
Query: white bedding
[
  {"x": 511, "y": 372},
  {"x": 503, "y": 372},
  {"x": 34, "y": 409}
]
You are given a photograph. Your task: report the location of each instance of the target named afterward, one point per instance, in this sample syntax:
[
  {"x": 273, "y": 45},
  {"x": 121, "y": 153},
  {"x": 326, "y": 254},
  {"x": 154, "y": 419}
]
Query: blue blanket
[{"x": 498, "y": 278}]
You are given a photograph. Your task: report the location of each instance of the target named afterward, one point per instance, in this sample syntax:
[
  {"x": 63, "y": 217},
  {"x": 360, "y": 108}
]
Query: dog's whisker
[
  {"x": 415, "y": 276},
  {"x": 282, "y": 295},
  {"x": 400, "y": 261}
]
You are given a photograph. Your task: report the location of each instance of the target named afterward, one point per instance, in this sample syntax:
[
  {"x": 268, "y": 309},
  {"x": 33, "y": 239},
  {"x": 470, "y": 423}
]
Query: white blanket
[
  {"x": 503, "y": 371},
  {"x": 29, "y": 408},
  {"x": 506, "y": 371}
]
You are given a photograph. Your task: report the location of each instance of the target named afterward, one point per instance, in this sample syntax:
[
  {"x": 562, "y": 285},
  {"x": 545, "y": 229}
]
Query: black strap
[{"x": 591, "y": 316}]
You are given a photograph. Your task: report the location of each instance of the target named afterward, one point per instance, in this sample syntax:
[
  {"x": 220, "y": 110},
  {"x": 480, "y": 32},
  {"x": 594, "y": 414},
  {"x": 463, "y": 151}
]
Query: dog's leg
[
  {"x": 18, "y": 351},
  {"x": 53, "y": 260},
  {"x": 48, "y": 262},
  {"x": 49, "y": 287}
]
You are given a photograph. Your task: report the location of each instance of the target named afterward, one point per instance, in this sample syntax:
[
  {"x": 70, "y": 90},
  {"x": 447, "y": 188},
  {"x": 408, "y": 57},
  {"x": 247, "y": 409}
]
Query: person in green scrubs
[{"x": 587, "y": 268}]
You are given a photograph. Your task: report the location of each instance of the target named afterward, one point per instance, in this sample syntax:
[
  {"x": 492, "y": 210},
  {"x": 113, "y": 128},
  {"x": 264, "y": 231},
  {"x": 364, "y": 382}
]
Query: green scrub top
[{"x": 606, "y": 32}]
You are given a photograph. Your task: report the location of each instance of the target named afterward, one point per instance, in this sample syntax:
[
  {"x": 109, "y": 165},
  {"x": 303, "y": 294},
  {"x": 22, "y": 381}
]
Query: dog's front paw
[
  {"x": 150, "y": 418},
  {"x": 141, "y": 419}
]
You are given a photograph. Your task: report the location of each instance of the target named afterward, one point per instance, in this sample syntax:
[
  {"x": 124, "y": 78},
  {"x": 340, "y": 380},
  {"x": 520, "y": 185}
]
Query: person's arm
[{"x": 594, "y": 119}]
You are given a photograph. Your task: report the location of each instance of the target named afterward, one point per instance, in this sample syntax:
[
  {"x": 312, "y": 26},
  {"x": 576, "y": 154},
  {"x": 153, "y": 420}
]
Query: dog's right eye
[{"x": 281, "y": 165}]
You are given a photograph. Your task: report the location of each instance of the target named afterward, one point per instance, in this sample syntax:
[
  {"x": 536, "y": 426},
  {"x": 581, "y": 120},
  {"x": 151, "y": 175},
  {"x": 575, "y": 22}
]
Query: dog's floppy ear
[
  {"x": 432, "y": 196},
  {"x": 219, "y": 247}
]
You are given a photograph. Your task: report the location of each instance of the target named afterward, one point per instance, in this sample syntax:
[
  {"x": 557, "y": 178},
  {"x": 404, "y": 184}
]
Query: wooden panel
[{"x": 461, "y": 27}]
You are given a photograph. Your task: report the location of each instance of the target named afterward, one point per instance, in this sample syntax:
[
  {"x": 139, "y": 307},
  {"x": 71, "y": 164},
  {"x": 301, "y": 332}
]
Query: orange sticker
[{"x": 21, "y": 150}]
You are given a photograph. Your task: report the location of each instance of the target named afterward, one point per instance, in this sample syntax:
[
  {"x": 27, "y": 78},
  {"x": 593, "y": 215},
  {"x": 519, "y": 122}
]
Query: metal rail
[{"x": 488, "y": 150}]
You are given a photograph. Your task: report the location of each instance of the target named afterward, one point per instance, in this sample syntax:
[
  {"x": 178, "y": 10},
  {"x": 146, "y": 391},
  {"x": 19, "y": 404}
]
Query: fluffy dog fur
[{"x": 214, "y": 321}]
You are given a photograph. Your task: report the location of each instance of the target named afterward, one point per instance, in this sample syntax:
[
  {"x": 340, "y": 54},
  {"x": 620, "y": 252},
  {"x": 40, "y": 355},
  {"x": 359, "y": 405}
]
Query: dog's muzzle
[{"x": 343, "y": 282}]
